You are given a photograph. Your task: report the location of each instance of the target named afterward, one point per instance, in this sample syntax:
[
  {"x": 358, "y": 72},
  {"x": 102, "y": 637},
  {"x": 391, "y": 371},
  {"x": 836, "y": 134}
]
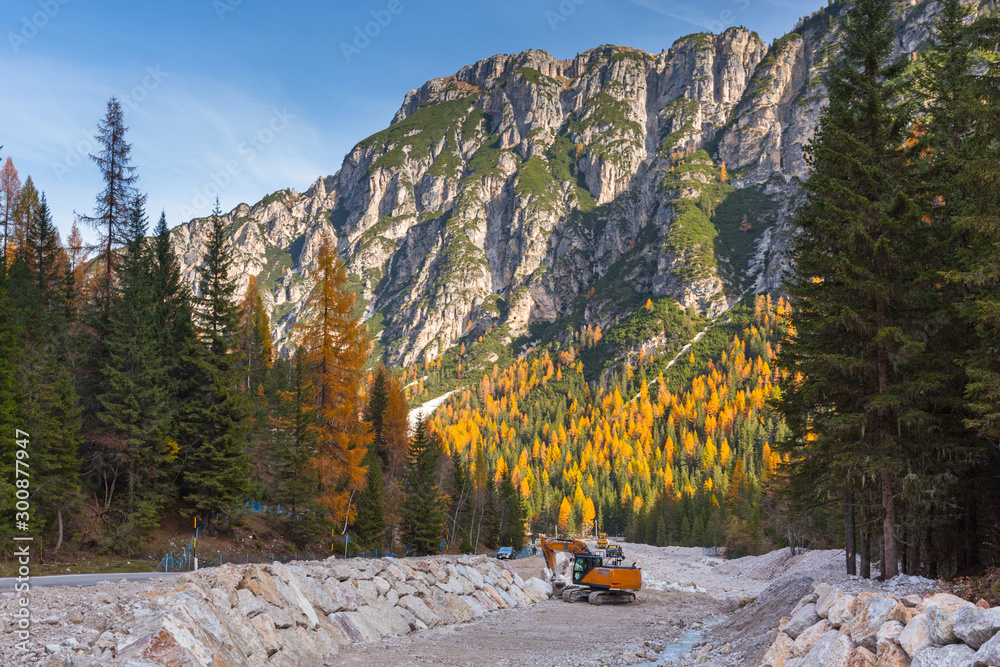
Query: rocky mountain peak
[{"x": 524, "y": 189}]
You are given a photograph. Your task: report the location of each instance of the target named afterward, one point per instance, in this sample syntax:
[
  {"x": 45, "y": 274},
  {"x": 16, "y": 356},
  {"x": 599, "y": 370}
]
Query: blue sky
[{"x": 244, "y": 97}]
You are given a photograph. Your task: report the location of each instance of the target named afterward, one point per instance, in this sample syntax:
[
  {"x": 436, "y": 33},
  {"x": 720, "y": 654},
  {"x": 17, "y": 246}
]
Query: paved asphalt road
[{"x": 85, "y": 579}]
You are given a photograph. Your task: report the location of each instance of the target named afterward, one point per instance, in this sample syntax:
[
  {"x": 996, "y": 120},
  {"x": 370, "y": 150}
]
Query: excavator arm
[{"x": 550, "y": 545}]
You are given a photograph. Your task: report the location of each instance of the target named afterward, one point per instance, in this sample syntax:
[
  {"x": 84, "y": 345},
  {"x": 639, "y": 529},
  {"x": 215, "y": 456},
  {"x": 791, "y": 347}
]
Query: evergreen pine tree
[
  {"x": 136, "y": 410},
  {"x": 293, "y": 448},
  {"x": 11, "y": 349},
  {"x": 214, "y": 421},
  {"x": 114, "y": 203},
  {"x": 461, "y": 512},
  {"x": 378, "y": 400},
  {"x": 512, "y": 512},
  {"x": 47, "y": 403},
  {"x": 253, "y": 333},
  {"x": 370, "y": 524},
  {"x": 423, "y": 518},
  {"x": 859, "y": 282}
]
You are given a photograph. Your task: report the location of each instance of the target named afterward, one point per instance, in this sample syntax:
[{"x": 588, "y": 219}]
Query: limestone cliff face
[{"x": 524, "y": 188}]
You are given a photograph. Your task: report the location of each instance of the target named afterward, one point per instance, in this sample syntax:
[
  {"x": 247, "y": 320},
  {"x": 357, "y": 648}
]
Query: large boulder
[
  {"x": 419, "y": 608},
  {"x": 343, "y": 596},
  {"x": 953, "y": 655},
  {"x": 988, "y": 654},
  {"x": 871, "y": 616},
  {"x": 817, "y": 655},
  {"x": 780, "y": 651},
  {"x": 888, "y": 633},
  {"x": 840, "y": 652},
  {"x": 297, "y": 605},
  {"x": 826, "y": 600},
  {"x": 840, "y": 611},
  {"x": 248, "y": 604},
  {"x": 941, "y": 623},
  {"x": 537, "y": 589},
  {"x": 861, "y": 657},
  {"x": 976, "y": 626},
  {"x": 808, "y": 637},
  {"x": 915, "y": 637},
  {"x": 805, "y": 617},
  {"x": 945, "y": 601},
  {"x": 892, "y": 656}
]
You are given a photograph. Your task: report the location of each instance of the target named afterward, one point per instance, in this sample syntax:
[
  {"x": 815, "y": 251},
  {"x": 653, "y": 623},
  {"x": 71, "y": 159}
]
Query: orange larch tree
[{"x": 336, "y": 350}]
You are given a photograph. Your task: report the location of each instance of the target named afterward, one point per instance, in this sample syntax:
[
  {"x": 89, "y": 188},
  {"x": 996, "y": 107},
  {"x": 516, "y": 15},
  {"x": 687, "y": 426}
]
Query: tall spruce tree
[
  {"x": 962, "y": 156},
  {"x": 214, "y": 421},
  {"x": 461, "y": 512},
  {"x": 423, "y": 517},
  {"x": 512, "y": 513},
  {"x": 859, "y": 285},
  {"x": 294, "y": 482},
  {"x": 253, "y": 334},
  {"x": 172, "y": 300},
  {"x": 47, "y": 403},
  {"x": 11, "y": 350},
  {"x": 136, "y": 408},
  {"x": 946, "y": 90},
  {"x": 114, "y": 202},
  {"x": 370, "y": 524},
  {"x": 378, "y": 400}
]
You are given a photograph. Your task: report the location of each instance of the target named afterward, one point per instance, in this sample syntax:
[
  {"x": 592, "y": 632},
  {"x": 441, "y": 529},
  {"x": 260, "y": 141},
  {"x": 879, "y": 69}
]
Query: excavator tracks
[{"x": 597, "y": 597}]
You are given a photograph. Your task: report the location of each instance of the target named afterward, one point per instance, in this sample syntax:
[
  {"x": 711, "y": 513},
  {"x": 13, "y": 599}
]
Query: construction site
[{"x": 566, "y": 602}]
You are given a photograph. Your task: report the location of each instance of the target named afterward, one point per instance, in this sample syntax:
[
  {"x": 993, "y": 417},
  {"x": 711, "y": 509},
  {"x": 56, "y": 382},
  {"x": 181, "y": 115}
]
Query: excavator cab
[{"x": 582, "y": 564}]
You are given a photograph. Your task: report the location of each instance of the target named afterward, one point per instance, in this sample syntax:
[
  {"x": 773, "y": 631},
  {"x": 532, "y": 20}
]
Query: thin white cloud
[{"x": 680, "y": 11}]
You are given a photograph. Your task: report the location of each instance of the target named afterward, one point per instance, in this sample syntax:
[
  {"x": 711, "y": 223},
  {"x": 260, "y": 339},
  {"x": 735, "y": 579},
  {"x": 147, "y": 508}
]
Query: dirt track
[{"x": 549, "y": 633}]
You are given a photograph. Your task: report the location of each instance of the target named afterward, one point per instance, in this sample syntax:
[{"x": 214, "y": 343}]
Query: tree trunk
[
  {"x": 903, "y": 539},
  {"x": 59, "y": 539},
  {"x": 864, "y": 548},
  {"x": 930, "y": 562},
  {"x": 849, "y": 548},
  {"x": 889, "y": 556},
  {"x": 972, "y": 532},
  {"x": 912, "y": 551}
]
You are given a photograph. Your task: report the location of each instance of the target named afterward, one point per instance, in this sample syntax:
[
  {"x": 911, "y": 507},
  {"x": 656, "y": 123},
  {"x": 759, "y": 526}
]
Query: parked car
[{"x": 505, "y": 553}]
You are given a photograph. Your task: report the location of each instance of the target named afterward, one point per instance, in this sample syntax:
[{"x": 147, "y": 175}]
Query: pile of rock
[
  {"x": 833, "y": 628},
  {"x": 301, "y": 613}
]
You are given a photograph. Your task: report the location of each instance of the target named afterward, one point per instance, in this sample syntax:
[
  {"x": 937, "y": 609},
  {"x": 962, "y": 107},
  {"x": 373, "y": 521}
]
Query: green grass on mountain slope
[
  {"x": 739, "y": 219},
  {"x": 663, "y": 318},
  {"x": 418, "y": 133}
]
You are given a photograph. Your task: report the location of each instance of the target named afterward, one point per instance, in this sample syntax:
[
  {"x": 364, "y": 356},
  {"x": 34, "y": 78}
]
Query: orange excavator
[{"x": 594, "y": 581}]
